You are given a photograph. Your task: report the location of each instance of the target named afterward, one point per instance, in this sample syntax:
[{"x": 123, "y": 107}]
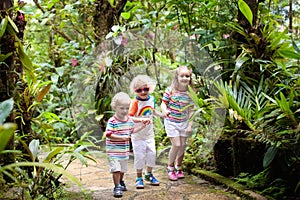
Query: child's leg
[
  {"x": 139, "y": 173},
  {"x": 116, "y": 178},
  {"x": 181, "y": 150},
  {"x": 176, "y": 145}
]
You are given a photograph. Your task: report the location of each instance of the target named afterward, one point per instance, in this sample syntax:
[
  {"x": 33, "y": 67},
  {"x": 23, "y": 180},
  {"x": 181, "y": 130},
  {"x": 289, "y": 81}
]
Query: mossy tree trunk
[
  {"x": 8, "y": 77},
  {"x": 106, "y": 15},
  {"x": 11, "y": 84}
]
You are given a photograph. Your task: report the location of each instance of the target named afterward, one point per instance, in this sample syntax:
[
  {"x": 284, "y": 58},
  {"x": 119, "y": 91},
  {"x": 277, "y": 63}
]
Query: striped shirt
[
  {"x": 176, "y": 102},
  {"x": 118, "y": 150}
]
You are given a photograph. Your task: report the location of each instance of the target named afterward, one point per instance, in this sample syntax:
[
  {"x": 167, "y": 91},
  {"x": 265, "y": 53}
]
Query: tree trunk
[
  {"x": 291, "y": 15},
  {"x": 106, "y": 16},
  {"x": 11, "y": 85},
  {"x": 8, "y": 77}
]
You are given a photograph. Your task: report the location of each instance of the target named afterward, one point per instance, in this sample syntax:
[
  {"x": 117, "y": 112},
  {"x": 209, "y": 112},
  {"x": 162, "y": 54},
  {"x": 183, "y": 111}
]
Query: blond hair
[
  {"x": 118, "y": 98},
  {"x": 141, "y": 80},
  {"x": 175, "y": 83}
]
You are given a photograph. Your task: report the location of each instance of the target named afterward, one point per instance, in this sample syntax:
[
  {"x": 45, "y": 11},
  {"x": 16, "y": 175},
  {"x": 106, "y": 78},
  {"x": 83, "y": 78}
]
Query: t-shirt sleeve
[
  {"x": 166, "y": 95},
  {"x": 109, "y": 128},
  {"x": 133, "y": 107}
]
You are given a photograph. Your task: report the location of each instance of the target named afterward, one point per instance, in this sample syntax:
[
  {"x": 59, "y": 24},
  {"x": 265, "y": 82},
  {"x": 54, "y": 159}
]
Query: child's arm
[
  {"x": 164, "y": 109},
  {"x": 190, "y": 124},
  {"x": 118, "y": 137},
  {"x": 158, "y": 113},
  {"x": 137, "y": 129},
  {"x": 145, "y": 120}
]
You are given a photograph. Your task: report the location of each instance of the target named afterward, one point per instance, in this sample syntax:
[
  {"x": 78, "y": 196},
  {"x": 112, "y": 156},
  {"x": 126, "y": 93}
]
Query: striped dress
[
  {"x": 176, "y": 102},
  {"x": 118, "y": 150}
]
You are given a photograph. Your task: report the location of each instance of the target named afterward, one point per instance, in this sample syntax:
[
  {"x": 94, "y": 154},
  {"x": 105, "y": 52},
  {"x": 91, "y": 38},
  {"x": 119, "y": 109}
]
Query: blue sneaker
[
  {"x": 152, "y": 179},
  {"x": 118, "y": 191},
  {"x": 123, "y": 186},
  {"x": 139, "y": 184}
]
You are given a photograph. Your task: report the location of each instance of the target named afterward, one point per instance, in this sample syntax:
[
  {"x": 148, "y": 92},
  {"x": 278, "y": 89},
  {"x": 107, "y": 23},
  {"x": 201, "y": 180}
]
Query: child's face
[
  {"x": 184, "y": 77},
  {"x": 122, "y": 109},
  {"x": 142, "y": 92}
]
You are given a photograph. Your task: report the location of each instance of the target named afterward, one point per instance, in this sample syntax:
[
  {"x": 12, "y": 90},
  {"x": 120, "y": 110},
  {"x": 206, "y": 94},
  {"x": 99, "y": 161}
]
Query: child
[
  {"x": 118, "y": 131},
  {"x": 174, "y": 105},
  {"x": 143, "y": 107}
]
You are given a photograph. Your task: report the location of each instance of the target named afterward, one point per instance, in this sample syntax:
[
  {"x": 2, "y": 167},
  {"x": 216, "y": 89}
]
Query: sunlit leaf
[
  {"x": 5, "y": 109},
  {"x": 42, "y": 93},
  {"x": 6, "y": 132},
  {"x": 3, "y": 26},
  {"x": 125, "y": 15},
  {"x": 12, "y": 24},
  {"x": 245, "y": 9}
]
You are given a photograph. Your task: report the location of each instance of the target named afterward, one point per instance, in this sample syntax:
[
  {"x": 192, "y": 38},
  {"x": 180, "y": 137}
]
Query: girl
[{"x": 178, "y": 127}]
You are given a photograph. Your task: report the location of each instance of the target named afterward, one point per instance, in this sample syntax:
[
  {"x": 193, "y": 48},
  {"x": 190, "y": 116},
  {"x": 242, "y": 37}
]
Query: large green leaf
[
  {"x": 53, "y": 167},
  {"x": 5, "y": 109},
  {"x": 288, "y": 54},
  {"x": 28, "y": 67},
  {"x": 3, "y": 26},
  {"x": 269, "y": 156},
  {"x": 245, "y": 9},
  {"x": 6, "y": 132}
]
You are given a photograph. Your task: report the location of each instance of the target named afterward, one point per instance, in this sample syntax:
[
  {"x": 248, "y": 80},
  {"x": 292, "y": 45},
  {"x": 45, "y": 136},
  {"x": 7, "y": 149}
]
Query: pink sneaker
[
  {"x": 180, "y": 174},
  {"x": 172, "y": 175}
]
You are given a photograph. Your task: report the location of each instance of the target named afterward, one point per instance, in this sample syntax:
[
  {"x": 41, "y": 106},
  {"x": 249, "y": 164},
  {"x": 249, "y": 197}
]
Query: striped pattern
[
  {"x": 118, "y": 149},
  {"x": 176, "y": 102}
]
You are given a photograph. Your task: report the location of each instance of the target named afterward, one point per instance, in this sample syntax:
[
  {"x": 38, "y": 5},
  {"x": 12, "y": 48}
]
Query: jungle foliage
[{"x": 61, "y": 61}]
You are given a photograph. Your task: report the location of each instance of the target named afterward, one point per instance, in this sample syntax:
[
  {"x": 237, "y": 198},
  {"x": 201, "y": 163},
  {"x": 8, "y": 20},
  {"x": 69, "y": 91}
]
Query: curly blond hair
[
  {"x": 140, "y": 81},
  {"x": 120, "y": 97}
]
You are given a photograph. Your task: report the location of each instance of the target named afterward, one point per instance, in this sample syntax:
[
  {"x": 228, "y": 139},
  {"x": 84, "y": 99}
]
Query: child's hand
[
  {"x": 188, "y": 130},
  {"x": 166, "y": 113},
  {"x": 146, "y": 121},
  {"x": 126, "y": 138}
]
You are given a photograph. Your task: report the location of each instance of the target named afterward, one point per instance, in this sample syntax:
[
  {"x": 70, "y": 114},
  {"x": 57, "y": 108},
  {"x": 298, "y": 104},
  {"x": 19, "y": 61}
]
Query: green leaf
[
  {"x": 125, "y": 15},
  {"x": 28, "y": 67},
  {"x": 6, "y": 132},
  {"x": 111, "y": 2},
  {"x": 289, "y": 54},
  {"x": 269, "y": 156},
  {"x": 3, "y": 26},
  {"x": 5, "y": 109},
  {"x": 12, "y": 24},
  {"x": 244, "y": 8},
  {"x": 53, "y": 167},
  {"x": 3, "y": 57},
  {"x": 52, "y": 154}
]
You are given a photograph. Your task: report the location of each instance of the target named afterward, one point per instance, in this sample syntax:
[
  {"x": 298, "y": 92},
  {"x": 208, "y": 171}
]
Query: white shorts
[
  {"x": 118, "y": 165},
  {"x": 175, "y": 129},
  {"x": 144, "y": 153}
]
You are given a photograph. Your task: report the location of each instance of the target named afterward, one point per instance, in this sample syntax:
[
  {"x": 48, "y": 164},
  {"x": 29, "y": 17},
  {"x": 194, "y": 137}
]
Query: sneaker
[
  {"x": 117, "y": 191},
  {"x": 139, "y": 184},
  {"x": 153, "y": 181},
  {"x": 179, "y": 174},
  {"x": 172, "y": 175},
  {"x": 123, "y": 186}
]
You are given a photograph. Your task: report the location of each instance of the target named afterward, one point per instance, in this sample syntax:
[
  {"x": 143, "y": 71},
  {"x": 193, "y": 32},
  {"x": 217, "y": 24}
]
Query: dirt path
[{"x": 98, "y": 183}]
